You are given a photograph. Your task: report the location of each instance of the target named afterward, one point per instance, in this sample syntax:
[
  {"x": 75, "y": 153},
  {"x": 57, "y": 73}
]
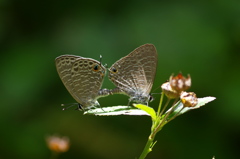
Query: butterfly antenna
[
  {"x": 100, "y": 60},
  {"x": 105, "y": 65},
  {"x": 71, "y": 105},
  {"x": 155, "y": 90}
]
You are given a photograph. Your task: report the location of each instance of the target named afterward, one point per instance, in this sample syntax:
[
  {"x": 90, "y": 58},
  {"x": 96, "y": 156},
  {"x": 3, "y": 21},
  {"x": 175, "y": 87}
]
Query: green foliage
[
  {"x": 158, "y": 120},
  {"x": 116, "y": 110}
]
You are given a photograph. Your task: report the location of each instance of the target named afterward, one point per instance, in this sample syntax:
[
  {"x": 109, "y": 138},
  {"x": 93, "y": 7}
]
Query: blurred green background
[{"x": 201, "y": 38}]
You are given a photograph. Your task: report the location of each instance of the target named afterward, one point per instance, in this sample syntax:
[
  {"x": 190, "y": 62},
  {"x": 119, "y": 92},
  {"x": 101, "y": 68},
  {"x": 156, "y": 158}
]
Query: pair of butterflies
[{"x": 133, "y": 75}]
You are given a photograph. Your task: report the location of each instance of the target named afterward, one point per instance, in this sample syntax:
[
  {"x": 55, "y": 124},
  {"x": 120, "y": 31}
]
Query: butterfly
[
  {"x": 83, "y": 78},
  {"x": 134, "y": 74}
]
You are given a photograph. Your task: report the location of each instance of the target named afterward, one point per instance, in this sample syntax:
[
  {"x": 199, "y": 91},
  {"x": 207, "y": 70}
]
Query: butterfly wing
[
  {"x": 135, "y": 72},
  {"x": 82, "y": 77},
  {"x": 87, "y": 75},
  {"x": 64, "y": 65}
]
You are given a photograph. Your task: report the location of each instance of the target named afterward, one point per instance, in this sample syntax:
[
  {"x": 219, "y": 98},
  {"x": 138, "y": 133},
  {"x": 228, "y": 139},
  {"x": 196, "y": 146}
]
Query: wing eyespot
[
  {"x": 96, "y": 68},
  {"x": 114, "y": 70}
]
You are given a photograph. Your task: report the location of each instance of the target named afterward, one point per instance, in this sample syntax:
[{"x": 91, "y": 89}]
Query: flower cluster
[{"x": 176, "y": 87}]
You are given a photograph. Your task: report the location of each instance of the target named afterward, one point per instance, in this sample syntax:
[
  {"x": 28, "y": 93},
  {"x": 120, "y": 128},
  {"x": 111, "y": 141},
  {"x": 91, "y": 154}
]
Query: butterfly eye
[
  {"x": 96, "y": 68},
  {"x": 114, "y": 70}
]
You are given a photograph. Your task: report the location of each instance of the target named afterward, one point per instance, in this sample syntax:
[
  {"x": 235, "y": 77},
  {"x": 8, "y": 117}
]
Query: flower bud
[
  {"x": 189, "y": 99},
  {"x": 57, "y": 144},
  {"x": 168, "y": 91},
  {"x": 180, "y": 83}
]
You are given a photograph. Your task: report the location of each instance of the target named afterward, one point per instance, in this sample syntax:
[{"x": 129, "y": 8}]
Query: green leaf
[
  {"x": 115, "y": 110},
  {"x": 179, "y": 106},
  {"x": 147, "y": 109}
]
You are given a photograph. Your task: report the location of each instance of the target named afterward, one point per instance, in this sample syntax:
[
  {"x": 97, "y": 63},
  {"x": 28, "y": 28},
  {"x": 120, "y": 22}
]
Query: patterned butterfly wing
[
  {"x": 82, "y": 77},
  {"x": 64, "y": 65},
  {"x": 134, "y": 74},
  {"x": 87, "y": 75}
]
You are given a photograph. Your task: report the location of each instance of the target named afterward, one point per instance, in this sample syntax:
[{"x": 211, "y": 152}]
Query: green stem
[
  {"x": 175, "y": 115},
  {"x": 160, "y": 104},
  {"x": 148, "y": 147},
  {"x": 165, "y": 106}
]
